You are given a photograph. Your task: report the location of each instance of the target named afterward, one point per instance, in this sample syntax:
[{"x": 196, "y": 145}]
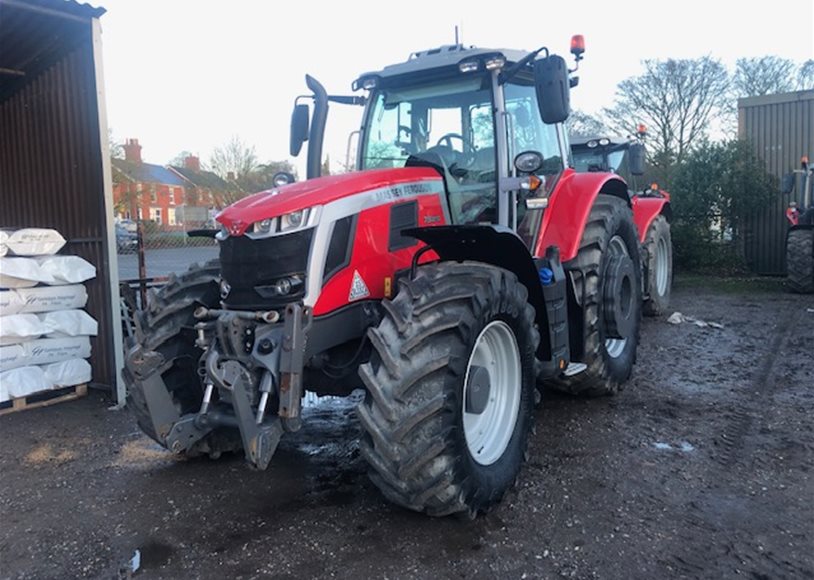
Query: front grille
[{"x": 247, "y": 263}]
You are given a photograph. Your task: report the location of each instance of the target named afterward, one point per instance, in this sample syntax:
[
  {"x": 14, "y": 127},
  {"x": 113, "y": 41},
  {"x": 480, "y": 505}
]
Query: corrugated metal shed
[
  {"x": 54, "y": 161},
  {"x": 781, "y": 128}
]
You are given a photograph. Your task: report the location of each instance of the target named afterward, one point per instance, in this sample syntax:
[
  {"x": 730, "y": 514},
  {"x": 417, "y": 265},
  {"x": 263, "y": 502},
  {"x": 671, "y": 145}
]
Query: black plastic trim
[
  {"x": 402, "y": 216},
  {"x": 340, "y": 248}
]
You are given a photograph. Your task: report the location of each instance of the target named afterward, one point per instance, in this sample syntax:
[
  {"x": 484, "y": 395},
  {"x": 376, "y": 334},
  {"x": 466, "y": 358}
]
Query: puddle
[{"x": 682, "y": 446}]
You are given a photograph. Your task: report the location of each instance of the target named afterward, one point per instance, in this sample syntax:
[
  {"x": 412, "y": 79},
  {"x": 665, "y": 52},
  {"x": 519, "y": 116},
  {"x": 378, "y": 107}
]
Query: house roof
[
  {"x": 202, "y": 178},
  {"x": 147, "y": 172}
]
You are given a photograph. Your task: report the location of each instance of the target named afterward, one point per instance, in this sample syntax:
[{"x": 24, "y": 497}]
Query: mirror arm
[{"x": 509, "y": 73}]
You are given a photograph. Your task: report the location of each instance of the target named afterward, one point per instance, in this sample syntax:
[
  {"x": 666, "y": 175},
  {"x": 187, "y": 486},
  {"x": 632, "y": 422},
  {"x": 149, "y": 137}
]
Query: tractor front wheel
[{"x": 450, "y": 389}]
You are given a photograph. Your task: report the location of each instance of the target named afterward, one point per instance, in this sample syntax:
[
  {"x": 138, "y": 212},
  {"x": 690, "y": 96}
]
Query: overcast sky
[{"x": 187, "y": 75}]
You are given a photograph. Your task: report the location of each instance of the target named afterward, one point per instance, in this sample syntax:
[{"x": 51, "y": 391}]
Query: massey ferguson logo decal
[{"x": 405, "y": 190}]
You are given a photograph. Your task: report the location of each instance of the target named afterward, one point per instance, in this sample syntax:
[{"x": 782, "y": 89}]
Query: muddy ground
[{"x": 701, "y": 468}]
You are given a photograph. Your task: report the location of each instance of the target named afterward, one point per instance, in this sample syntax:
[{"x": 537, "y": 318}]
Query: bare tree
[
  {"x": 762, "y": 76},
  {"x": 115, "y": 146},
  {"x": 235, "y": 157},
  {"x": 676, "y": 100},
  {"x": 178, "y": 160},
  {"x": 581, "y": 123},
  {"x": 805, "y": 76}
]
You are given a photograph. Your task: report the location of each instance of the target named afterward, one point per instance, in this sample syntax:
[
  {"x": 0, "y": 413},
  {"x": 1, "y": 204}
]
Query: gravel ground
[{"x": 701, "y": 468}]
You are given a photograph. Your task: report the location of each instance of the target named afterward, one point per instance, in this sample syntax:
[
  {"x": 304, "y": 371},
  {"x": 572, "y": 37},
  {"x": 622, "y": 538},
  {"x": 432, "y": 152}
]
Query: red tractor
[
  {"x": 800, "y": 235},
  {"x": 463, "y": 264},
  {"x": 625, "y": 157}
]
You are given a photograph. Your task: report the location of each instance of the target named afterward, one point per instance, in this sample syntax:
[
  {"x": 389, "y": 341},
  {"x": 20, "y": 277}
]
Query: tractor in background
[
  {"x": 651, "y": 207},
  {"x": 462, "y": 266},
  {"x": 800, "y": 235}
]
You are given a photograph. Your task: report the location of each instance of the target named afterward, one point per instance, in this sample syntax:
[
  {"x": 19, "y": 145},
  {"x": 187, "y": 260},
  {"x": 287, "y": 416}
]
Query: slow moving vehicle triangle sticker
[{"x": 358, "y": 288}]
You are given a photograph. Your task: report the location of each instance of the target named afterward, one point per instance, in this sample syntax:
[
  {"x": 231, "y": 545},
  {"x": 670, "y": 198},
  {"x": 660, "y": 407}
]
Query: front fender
[
  {"x": 490, "y": 244},
  {"x": 645, "y": 210},
  {"x": 569, "y": 205}
]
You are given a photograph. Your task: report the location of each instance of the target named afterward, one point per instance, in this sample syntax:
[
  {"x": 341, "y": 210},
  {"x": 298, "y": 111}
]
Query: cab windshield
[{"x": 449, "y": 124}]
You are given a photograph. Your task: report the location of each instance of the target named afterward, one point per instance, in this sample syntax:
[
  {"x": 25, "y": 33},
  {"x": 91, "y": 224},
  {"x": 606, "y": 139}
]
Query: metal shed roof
[{"x": 36, "y": 33}]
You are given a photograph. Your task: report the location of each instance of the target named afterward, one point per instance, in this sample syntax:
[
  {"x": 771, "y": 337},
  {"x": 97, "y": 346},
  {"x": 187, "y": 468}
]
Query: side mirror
[
  {"x": 553, "y": 91},
  {"x": 636, "y": 158},
  {"x": 299, "y": 128},
  {"x": 787, "y": 183}
]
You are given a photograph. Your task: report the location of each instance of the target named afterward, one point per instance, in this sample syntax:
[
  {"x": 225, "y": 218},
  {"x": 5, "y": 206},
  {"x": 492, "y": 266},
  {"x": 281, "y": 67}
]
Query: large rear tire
[
  {"x": 609, "y": 236},
  {"x": 658, "y": 267},
  {"x": 450, "y": 389},
  {"x": 166, "y": 327},
  {"x": 800, "y": 260}
]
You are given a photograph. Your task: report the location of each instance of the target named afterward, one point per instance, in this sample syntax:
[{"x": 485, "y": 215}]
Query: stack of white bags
[{"x": 44, "y": 334}]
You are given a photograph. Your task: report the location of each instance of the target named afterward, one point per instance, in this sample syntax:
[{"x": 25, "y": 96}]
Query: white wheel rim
[
  {"x": 616, "y": 346},
  {"x": 661, "y": 267},
  {"x": 488, "y": 433}
]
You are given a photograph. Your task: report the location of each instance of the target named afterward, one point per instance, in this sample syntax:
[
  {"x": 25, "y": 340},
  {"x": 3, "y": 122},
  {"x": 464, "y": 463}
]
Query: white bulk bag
[
  {"x": 3, "y": 245},
  {"x": 12, "y": 356},
  {"x": 68, "y": 323},
  {"x": 22, "y": 273},
  {"x": 35, "y": 242},
  {"x": 19, "y": 328},
  {"x": 23, "y": 381},
  {"x": 49, "y": 298},
  {"x": 75, "y": 371},
  {"x": 10, "y": 302},
  {"x": 66, "y": 269},
  {"x": 47, "y": 350}
]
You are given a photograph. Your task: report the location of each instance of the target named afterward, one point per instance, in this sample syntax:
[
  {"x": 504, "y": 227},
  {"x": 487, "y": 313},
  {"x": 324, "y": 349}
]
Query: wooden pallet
[{"x": 43, "y": 399}]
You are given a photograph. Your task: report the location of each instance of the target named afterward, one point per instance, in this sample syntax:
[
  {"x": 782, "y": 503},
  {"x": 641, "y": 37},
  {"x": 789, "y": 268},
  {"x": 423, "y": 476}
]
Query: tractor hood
[{"x": 315, "y": 192}]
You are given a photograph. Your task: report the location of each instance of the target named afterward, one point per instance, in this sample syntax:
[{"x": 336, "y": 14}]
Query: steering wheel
[
  {"x": 446, "y": 140},
  {"x": 450, "y": 154}
]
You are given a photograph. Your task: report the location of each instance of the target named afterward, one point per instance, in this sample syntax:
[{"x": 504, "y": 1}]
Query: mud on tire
[
  {"x": 800, "y": 260},
  {"x": 166, "y": 327},
  {"x": 658, "y": 267},
  {"x": 604, "y": 375},
  {"x": 414, "y": 436}
]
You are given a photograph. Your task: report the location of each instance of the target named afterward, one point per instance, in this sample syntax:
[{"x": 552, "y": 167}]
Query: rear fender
[
  {"x": 569, "y": 205},
  {"x": 490, "y": 244},
  {"x": 646, "y": 209}
]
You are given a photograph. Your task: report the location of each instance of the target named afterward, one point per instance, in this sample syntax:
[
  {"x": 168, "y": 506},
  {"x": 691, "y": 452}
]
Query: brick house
[
  {"x": 147, "y": 191},
  {"x": 206, "y": 192}
]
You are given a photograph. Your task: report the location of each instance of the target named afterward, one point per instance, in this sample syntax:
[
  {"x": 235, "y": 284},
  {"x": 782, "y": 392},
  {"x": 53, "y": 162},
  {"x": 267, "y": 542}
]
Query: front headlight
[{"x": 284, "y": 224}]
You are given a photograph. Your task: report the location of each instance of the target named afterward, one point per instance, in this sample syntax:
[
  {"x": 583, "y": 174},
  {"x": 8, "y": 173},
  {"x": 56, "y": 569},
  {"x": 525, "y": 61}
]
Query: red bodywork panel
[
  {"x": 567, "y": 214},
  {"x": 320, "y": 191},
  {"x": 372, "y": 258},
  {"x": 645, "y": 210},
  {"x": 570, "y": 204},
  {"x": 793, "y": 215}
]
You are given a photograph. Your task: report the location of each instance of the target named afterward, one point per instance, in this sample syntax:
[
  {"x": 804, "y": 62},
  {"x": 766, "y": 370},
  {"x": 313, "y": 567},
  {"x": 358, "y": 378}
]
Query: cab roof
[{"x": 439, "y": 61}]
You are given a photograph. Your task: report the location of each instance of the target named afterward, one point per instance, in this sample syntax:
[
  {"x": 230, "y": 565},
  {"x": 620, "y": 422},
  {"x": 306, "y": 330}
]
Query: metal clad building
[
  {"x": 781, "y": 128},
  {"x": 54, "y": 158}
]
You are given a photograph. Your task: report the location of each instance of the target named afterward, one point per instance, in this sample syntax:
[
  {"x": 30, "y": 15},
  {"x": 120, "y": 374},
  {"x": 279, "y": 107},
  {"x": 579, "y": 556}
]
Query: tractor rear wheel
[
  {"x": 165, "y": 326},
  {"x": 607, "y": 278},
  {"x": 450, "y": 389},
  {"x": 800, "y": 260},
  {"x": 658, "y": 267}
]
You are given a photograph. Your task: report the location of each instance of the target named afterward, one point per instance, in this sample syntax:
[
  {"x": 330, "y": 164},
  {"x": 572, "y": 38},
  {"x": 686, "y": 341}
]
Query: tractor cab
[
  {"x": 623, "y": 156},
  {"x": 485, "y": 119}
]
